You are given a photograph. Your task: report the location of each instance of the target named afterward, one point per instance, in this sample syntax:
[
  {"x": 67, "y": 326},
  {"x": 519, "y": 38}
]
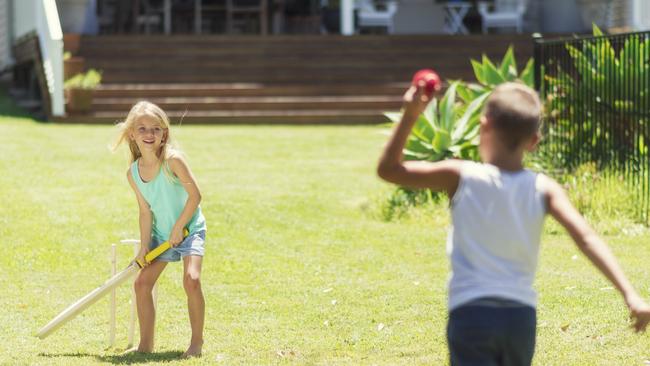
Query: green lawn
[{"x": 299, "y": 269}]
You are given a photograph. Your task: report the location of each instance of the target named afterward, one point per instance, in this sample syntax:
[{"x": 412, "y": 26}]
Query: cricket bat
[{"x": 82, "y": 304}]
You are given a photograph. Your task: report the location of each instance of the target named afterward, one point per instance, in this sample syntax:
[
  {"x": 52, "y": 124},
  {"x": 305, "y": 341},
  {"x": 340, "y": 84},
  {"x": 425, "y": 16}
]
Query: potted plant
[
  {"x": 79, "y": 90},
  {"x": 72, "y": 65}
]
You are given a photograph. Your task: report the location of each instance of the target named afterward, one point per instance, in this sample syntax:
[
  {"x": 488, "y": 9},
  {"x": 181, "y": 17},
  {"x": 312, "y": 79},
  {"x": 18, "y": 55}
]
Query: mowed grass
[{"x": 300, "y": 268}]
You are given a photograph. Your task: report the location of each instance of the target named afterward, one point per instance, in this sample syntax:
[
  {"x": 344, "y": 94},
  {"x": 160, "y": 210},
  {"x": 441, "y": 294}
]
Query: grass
[{"x": 300, "y": 268}]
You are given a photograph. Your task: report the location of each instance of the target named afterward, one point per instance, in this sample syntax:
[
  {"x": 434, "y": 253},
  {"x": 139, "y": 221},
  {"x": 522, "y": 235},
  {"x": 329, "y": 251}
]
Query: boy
[{"x": 497, "y": 210}]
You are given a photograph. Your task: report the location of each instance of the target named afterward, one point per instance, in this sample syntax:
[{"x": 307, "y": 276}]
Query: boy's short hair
[{"x": 515, "y": 111}]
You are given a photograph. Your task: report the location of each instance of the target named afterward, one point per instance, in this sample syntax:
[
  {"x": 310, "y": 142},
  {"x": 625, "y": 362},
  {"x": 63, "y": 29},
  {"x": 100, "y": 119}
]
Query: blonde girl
[{"x": 168, "y": 200}]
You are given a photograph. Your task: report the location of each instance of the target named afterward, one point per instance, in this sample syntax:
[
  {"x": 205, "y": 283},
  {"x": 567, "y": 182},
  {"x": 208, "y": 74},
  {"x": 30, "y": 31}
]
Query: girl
[{"x": 168, "y": 198}]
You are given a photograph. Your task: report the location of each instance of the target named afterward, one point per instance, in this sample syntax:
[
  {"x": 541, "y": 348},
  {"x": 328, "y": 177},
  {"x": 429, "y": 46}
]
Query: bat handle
[{"x": 149, "y": 257}]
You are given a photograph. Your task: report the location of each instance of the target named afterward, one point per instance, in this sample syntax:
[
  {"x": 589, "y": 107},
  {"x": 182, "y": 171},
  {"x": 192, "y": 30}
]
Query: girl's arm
[
  {"x": 439, "y": 176},
  {"x": 560, "y": 207},
  {"x": 179, "y": 167},
  {"x": 145, "y": 218}
]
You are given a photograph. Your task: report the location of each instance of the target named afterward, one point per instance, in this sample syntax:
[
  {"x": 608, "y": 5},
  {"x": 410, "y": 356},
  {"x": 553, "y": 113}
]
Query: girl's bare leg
[
  {"x": 195, "y": 302},
  {"x": 146, "y": 312}
]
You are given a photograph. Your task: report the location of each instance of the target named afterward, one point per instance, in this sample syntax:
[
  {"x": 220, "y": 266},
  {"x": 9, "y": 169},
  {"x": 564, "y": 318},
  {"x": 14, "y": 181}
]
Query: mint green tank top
[{"x": 166, "y": 198}]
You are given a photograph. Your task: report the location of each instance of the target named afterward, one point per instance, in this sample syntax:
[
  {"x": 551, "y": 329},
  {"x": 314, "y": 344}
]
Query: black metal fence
[{"x": 597, "y": 97}]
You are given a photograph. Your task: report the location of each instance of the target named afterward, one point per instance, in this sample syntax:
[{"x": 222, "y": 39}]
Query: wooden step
[
  {"x": 276, "y": 79},
  {"x": 253, "y": 43},
  {"x": 280, "y": 77},
  {"x": 256, "y": 103},
  {"x": 153, "y": 90},
  {"x": 341, "y": 117},
  {"x": 295, "y": 62}
]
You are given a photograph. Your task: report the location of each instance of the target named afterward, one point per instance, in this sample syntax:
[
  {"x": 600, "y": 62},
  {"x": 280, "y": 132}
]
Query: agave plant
[
  {"x": 488, "y": 75},
  {"x": 445, "y": 129},
  {"x": 449, "y": 127}
]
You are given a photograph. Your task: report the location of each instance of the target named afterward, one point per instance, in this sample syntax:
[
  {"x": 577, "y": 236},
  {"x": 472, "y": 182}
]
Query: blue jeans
[
  {"x": 193, "y": 244},
  {"x": 480, "y": 335}
]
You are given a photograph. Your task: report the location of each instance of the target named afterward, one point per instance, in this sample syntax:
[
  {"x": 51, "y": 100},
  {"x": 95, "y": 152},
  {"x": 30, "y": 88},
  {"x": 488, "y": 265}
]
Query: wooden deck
[{"x": 283, "y": 79}]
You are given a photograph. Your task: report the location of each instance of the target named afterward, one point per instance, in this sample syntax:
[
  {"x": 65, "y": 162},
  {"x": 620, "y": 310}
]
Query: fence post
[{"x": 537, "y": 56}]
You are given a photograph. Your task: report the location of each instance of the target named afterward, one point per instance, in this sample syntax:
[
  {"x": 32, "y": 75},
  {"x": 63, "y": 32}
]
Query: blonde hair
[
  {"x": 516, "y": 112},
  {"x": 168, "y": 147}
]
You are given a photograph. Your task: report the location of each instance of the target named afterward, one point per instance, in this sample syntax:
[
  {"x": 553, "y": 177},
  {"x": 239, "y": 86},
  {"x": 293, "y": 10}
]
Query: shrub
[{"x": 89, "y": 80}]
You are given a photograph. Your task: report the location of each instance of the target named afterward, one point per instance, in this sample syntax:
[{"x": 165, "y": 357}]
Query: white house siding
[
  {"x": 24, "y": 19},
  {"x": 641, "y": 14},
  {"x": 621, "y": 14},
  {"x": 5, "y": 34}
]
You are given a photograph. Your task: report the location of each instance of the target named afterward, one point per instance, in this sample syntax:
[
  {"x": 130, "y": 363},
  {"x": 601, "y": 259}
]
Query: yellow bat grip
[{"x": 149, "y": 257}]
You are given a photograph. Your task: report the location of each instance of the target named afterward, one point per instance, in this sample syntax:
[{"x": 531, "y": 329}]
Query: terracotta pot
[
  {"x": 72, "y": 67},
  {"x": 71, "y": 42},
  {"x": 79, "y": 100}
]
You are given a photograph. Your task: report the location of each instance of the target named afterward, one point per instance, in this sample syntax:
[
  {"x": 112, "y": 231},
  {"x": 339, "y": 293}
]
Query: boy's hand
[
  {"x": 415, "y": 99},
  {"x": 176, "y": 236},
  {"x": 639, "y": 312},
  {"x": 141, "y": 255}
]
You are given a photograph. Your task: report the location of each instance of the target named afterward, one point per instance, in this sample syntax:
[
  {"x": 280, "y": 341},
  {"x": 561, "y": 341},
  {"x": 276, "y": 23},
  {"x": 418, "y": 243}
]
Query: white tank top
[{"x": 493, "y": 244}]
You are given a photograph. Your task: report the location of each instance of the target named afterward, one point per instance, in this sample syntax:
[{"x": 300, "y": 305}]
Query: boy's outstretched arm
[
  {"x": 560, "y": 207},
  {"x": 440, "y": 176}
]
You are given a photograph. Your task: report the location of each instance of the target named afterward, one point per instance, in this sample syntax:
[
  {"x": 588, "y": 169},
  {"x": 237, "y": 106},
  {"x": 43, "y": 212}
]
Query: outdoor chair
[
  {"x": 150, "y": 14},
  {"x": 372, "y": 15},
  {"x": 247, "y": 15},
  {"x": 213, "y": 16},
  {"x": 505, "y": 14}
]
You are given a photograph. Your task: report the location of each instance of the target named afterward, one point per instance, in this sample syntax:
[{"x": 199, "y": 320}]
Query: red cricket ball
[{"x": 431, "y": 79}]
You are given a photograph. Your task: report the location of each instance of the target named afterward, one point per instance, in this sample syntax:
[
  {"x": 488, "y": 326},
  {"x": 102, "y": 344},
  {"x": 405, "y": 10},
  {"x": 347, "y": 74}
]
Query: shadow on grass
[
  {"x": 55, "y": 355},
  {"x": 125, "y": 359},
  {"x": 135, "y": 357}
]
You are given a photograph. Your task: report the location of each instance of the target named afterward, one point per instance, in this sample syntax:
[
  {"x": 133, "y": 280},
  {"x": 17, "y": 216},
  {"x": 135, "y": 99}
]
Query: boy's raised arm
[
  {"x": 560, "y": 207},
  {"x": 440, "y": 176}
]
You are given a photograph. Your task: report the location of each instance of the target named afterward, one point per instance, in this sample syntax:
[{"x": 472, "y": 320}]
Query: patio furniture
[
  {"x": 505, "y": 14},
  {"x": 150, "y": 14},
  {"x": 370, "y": 15},
  {"x": 213, "y": 16},
  {"x": 455, "y": 12},
  {"x": 247, "y": 15}
]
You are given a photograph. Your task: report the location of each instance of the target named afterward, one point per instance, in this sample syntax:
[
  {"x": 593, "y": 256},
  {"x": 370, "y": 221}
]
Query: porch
[{"x": 281, "y": 79}]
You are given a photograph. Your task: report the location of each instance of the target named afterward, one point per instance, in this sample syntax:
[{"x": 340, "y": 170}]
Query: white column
[
  {"x": 641, "y": 15},
  {"x": 167, "y": 14},
  {"x": 50, "y": 38},
  {"x": 347, "y": 17}
]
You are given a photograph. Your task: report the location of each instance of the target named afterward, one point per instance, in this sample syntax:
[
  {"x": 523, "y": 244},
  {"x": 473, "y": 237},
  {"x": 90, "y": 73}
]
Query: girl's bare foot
[
  {"x": 193, "y": 351},
  {"x": 133, "y": 350}
]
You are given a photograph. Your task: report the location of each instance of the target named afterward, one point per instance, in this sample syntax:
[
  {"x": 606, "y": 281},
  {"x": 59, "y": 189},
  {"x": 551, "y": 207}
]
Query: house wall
[
  {"x": 5, "y": 35},
  {"x": 640, "y": 15},
  {"x": 419, "y": 17},
  {"x": 23, "y": 20}
]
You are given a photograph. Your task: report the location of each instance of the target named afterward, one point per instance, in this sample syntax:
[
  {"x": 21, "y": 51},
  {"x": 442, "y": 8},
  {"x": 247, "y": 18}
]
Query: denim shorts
[
  {"x": 193, "y": 244},
  {"x": 482, "y": 334}
]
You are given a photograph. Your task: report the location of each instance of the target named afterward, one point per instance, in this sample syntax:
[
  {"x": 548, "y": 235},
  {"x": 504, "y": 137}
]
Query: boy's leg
[
  {"x": 520, "y": 340},
  {"x": 195, "y": 302},
  {"x": 491, "y": 335},
  {"x": 146, "y": 311},
  {"x": 473, "y": 336}
]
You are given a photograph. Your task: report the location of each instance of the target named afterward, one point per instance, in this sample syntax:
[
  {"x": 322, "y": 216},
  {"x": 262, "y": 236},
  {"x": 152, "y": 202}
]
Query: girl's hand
[
  {"x": 415, "y": 99},
  {"x": 141, "y": 255},
  {"x": 176, "y": 236}
]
